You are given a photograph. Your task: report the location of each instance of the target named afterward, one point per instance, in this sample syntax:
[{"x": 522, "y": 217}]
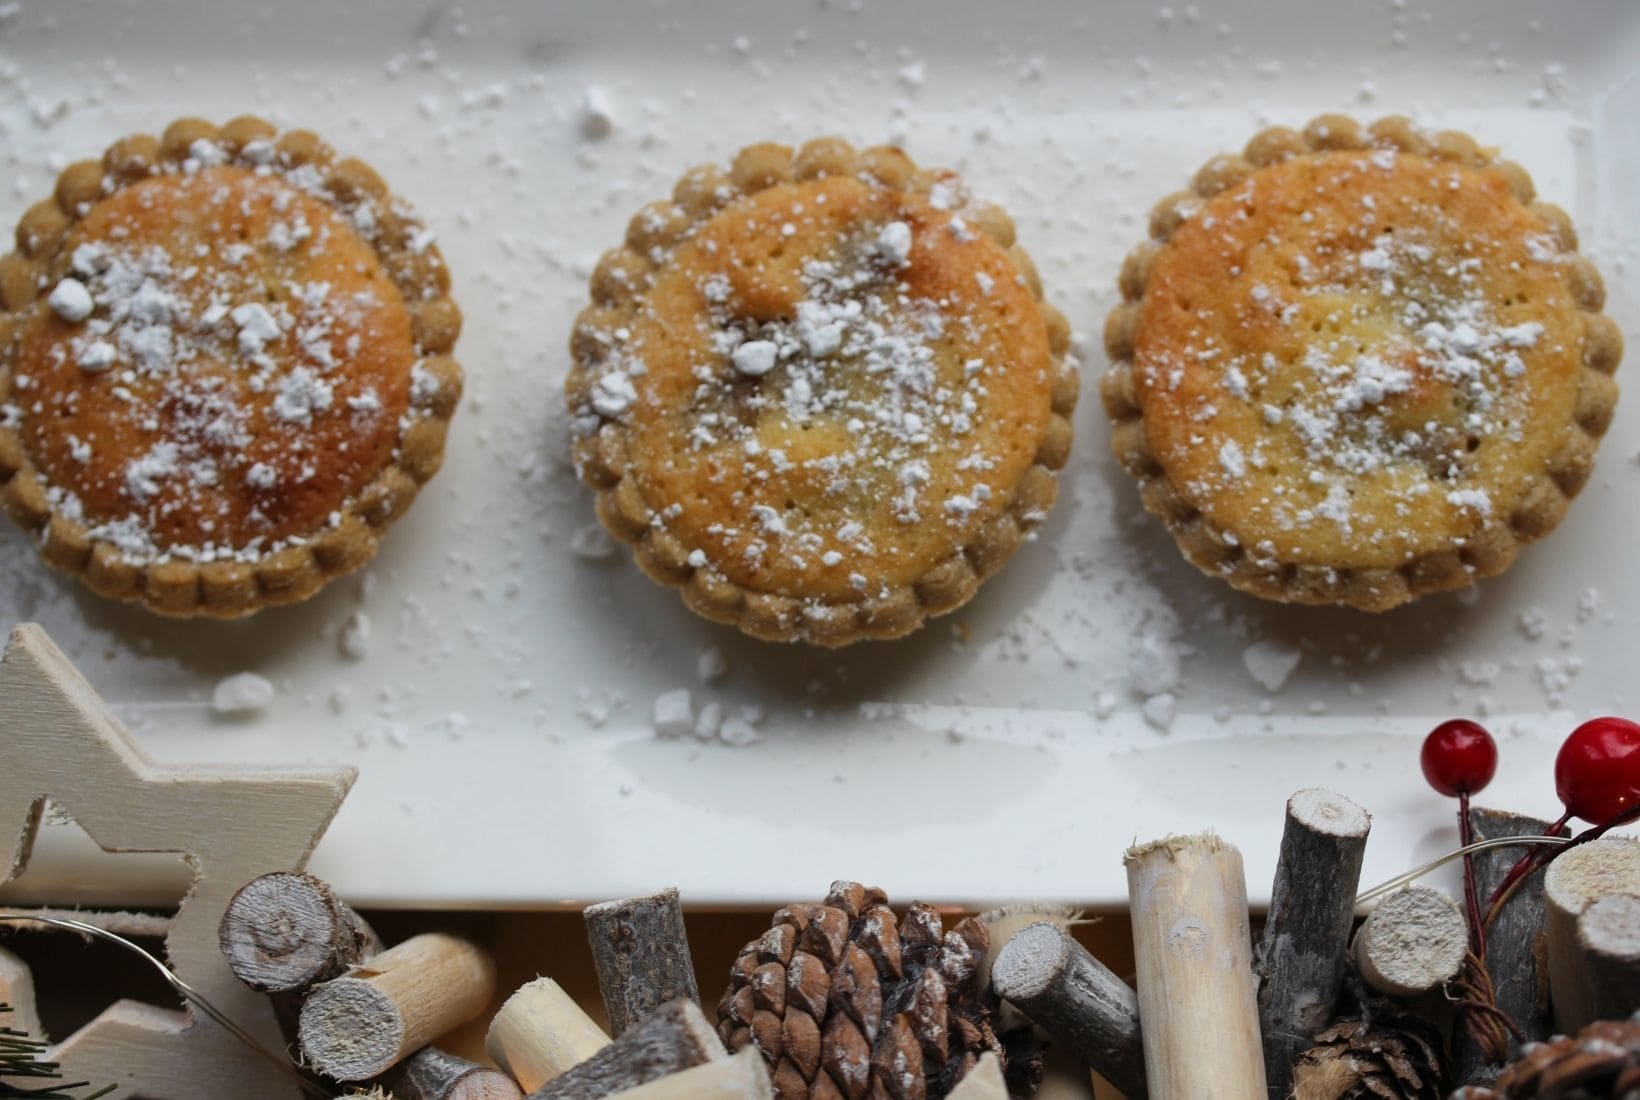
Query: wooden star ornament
[{"x": 58, "y": 740}]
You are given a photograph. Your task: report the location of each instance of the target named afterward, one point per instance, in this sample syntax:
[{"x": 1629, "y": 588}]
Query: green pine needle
[{"x": 20, "y": 1057}]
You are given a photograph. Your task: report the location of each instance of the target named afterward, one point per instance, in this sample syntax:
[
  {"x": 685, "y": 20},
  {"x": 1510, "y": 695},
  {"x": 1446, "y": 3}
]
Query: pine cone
[
  {"x": 1601, "y": 1062},
  {"x": 844, "y": 1000},
  {"x": 1387, "y": 1058}
]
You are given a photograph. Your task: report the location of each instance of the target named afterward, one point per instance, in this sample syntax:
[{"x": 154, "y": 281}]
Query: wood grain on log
[
  {"x": 1301, "y": 957},
  {"x": 1514, "y": 943},
  {"x": 363, "y": 1023},
  {"x": 1076, "y": 999},
  {"x": 676, "y": 1036},
  {"x": 286, "y": 931},
  {"x": 540, "y": 1032},
  {"x": 1413, "y": 943},
  {"x": 642, "y": 954},
  {"x": 743, "y": 1077},
  {"x": 1576, "y": 878},
  {"x": 431, "y": 1074},
  {"x": 1194, "y": 954},
  {"x": 1609, "y": 933}
]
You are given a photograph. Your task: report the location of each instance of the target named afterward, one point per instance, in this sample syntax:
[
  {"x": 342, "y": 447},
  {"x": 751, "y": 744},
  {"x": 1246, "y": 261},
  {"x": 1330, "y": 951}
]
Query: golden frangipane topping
[
  {"x": 221, "y": 364},
  {"x": 1353, "y": 358},
  {"x": 830, "y": 387}
]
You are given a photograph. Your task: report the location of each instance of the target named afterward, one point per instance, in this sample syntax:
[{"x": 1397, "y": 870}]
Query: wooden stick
[
  {"x": 1608, "y": 865},
  {"x": 359, "y": 1025},
  {"x": 743, "y": 1077},
  {"x": 287, "y": 931},
  {"x": 642, "y": 954},
  {"x": 1064, "y": 1075},
  {"x": 676, "y": 1036},
  {"x": 541, "y": 1032},
  {"x": 431, "y": 1074},
  {"x": 1073, "y": 996},
  {"x": 1609, "y": 934},
  {"x": 1194, "y": 953},
  {"x": 1513, "y": 950},
  {"x": 1300, "y": 959},
  {"x": 983, "y": 1082},
  {"x": 1413, "y": 943}
]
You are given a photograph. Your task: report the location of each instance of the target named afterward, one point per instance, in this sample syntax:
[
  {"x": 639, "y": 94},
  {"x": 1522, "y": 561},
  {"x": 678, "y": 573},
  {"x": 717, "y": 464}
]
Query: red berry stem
[{"x": 1472, "y": 906}]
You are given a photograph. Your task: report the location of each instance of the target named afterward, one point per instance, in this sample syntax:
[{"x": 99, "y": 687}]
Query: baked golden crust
[
  {"x": 820, "y": 393},
  {"x": 223, "y": 368},
  {"x": 1355, "y": 365}
]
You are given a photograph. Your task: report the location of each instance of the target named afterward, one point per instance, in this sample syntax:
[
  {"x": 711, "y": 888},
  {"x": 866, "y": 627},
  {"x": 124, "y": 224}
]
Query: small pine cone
[
  {"x": 1388, "y": 1058},
  {"x": 1601, "y": 1062},
  {"x": 846, "y": 1001}
]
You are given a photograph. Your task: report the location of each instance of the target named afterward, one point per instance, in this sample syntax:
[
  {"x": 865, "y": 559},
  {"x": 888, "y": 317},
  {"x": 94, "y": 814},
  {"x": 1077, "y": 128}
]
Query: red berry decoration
[
  {"x": 1459, "y": 757},
  {"x": 1597, "y": 773}
]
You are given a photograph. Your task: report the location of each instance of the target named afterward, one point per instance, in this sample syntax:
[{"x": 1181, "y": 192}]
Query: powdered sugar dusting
[
  {"x": 190, "y": 350},
  {"x": 1411, "y": 371},
  {"x": 852, "y": 370}
]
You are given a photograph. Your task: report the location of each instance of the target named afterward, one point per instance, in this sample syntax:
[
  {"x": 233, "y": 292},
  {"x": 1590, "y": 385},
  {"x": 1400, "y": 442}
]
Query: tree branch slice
[
  {"x": 1301, "y": 957},
  {"x": 675, "y": 1037},
  {"x": 642, "y": 954},
  {"x": 1074, "y": 997}
]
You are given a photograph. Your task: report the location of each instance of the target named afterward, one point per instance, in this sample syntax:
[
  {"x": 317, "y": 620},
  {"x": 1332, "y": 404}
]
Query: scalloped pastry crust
[
  {"x": 820, "y": 393},
  {"x": 1357, "y": 364},
  {"x": 224, "y": 368}
]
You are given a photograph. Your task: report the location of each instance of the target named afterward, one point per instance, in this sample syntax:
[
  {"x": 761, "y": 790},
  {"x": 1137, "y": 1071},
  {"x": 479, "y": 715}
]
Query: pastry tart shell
[
  {"x": 1541, "y": 497},
  {"x": 177, "y": 585},
  {"x": 604, "y": 461}
]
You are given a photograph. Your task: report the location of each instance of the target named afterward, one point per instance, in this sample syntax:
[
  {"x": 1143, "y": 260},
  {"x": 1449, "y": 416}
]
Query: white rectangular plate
[{"x": 501, "y": 717}]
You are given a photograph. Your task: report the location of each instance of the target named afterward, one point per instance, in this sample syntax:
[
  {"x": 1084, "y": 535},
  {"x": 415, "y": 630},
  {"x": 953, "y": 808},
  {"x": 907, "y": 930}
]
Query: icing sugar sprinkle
[
  {"x": 71, "y": 301},
  {"x": 1341, "y": 401},
  {"x": 855, "y": 362},
  {"x": 755, "y": 358},
  {"x": 185, "y": 344}
]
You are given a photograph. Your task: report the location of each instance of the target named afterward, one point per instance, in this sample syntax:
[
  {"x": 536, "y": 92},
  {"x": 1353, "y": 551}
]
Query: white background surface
[{"x": 500, "y": 719}]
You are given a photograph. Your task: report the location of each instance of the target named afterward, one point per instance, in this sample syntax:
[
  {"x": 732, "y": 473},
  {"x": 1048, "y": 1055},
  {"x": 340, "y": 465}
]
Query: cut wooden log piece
[
  {"x": 1076, "y": 999},
  {"x": 675, "y": 1037},
  {"x": 1300, "y": 958},
  {"x": 431, "y": 1074},
  {"x": 1573, "y": 882},
  {"x": 743, "y": 1077},
  {"x": 1413, "y": 943},
  {"x": 540, "y": 1032},
  {"x": 1193, "y": 949},
  {"x": 1515, "y": 953},
  {"x": 367, "y": 1021},
  {"x": 642, "y": 954},
  {"x": 286, "y": 931},
  {"x": 1065, "y": 1076},
  {"x": 1609, "y": 935}
]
